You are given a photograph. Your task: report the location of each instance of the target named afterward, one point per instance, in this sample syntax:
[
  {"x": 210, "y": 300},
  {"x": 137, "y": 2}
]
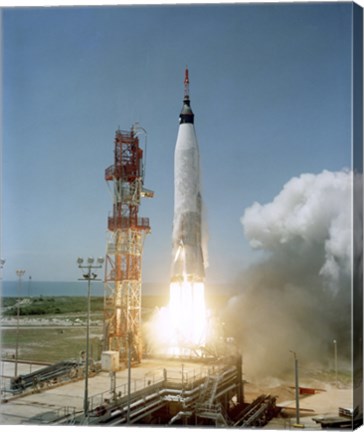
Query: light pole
[
  {"x": 89, "y": 276},
  {"x": 335, "y": 360},
  {"x": 2, "y": 263},
  {"x": 297, "y": 388},
  {"x": 29, "y": 285},
  {"x": 20, "y": 274}
]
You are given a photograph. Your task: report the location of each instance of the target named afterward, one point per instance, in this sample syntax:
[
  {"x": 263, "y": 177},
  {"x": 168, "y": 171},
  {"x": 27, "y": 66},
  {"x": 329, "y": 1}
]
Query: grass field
[{"x": 51, "y": 344}]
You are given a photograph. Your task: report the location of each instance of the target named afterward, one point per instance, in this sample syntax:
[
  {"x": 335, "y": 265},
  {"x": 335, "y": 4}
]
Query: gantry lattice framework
[{"x": 122, "y": 299}]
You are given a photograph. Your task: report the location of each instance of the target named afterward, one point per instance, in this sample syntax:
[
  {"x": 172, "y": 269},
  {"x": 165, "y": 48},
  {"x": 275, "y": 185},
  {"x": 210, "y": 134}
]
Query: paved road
[{"x": 45, "y": 326}]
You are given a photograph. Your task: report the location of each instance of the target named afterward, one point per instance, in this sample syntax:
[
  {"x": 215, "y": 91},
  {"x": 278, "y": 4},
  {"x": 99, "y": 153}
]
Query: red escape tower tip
[{"x": 187, "y": 83}]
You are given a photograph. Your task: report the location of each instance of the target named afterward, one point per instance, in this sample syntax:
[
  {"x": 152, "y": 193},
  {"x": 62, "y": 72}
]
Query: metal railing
[
  {"x": 123, "y": 222},
  {"x": 65, "y": 415},
  {"x": 164, "y": 378},
  {"x": 121, "y": 391}
]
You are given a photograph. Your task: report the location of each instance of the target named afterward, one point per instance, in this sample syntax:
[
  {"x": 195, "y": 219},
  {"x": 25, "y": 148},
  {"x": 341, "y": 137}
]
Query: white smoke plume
[{"x": 299, "y": 296}]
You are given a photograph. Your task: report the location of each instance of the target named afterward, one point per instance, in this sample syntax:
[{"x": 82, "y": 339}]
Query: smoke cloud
[{"x": 298, "y": 297}]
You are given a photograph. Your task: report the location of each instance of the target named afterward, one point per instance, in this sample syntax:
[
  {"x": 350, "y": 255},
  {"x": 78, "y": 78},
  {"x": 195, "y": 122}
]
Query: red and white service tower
[{"x": 122, "y": 301}]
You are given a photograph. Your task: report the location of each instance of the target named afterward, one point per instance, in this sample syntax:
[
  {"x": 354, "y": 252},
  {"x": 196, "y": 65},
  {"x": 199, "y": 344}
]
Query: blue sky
[{"x": 270, "y": 87}]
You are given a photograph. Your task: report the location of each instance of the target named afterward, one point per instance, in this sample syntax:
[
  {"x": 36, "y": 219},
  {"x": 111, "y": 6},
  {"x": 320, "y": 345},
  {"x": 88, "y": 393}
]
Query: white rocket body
[{"x": 188, "y": 260}]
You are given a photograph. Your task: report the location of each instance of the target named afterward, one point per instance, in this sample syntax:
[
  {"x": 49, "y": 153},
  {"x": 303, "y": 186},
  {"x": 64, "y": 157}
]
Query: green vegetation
[
  {"x": 51, "y": 344},
  {"x": 65, "y": 305},
  {"x": 70, "y": 305},
  {"x": 51, "y": 305},
  {"x": 8, "y": 301}
]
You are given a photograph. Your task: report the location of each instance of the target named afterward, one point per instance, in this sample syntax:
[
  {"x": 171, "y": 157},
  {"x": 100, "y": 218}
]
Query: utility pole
[
  {"x": 297, "y": 389},
  {"x": 335, "y": 361},
  {"x": 20, "y": 274}
]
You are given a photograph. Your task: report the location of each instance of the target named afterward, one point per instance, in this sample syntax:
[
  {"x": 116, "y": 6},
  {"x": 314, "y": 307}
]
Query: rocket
[{"x": 188, "y": 259}]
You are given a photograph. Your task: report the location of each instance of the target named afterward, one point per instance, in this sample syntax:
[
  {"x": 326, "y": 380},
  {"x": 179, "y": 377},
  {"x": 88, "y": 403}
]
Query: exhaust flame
[
  {"x": 187, "y": 316},
  {"x": 180, "y": 328}
]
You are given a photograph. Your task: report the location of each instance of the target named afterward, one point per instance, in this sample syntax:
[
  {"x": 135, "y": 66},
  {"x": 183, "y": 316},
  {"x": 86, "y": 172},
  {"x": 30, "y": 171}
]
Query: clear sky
[{"x": 270, "y": 87}]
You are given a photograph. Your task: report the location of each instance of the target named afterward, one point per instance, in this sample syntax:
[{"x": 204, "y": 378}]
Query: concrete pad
[
  {"x": 324, "y": 403},
  {"x": 21, "y": 409}
]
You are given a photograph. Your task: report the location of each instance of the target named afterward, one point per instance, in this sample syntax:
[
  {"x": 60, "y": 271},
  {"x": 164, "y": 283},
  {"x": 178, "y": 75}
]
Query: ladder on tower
[
  {"x": 207, "y": 407},
  {"x": 208, "y": 392}
]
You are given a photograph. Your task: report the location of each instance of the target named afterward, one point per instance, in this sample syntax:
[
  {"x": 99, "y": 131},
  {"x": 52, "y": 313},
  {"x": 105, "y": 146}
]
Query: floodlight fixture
[{"x": 20, "y": 273}]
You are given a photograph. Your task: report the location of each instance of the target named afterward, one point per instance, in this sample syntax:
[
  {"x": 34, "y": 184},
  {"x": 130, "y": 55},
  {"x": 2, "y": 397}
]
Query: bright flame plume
[
  {"x": 180, "y": 329},
  {"x": 187, "y": 317}
]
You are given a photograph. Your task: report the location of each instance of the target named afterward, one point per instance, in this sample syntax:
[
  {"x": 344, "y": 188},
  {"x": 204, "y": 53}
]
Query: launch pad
[
  {"x": 160, "y": 392},
  {"x": 168, "y": 392}
]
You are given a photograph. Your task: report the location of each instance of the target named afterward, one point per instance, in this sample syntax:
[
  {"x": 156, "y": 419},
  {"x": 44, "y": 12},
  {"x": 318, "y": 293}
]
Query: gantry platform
[{"x": 161, "y": 392}]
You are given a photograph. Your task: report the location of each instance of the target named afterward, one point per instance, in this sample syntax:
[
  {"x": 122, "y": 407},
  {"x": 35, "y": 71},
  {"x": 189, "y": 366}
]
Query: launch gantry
[{"x": 122, "y": 301}]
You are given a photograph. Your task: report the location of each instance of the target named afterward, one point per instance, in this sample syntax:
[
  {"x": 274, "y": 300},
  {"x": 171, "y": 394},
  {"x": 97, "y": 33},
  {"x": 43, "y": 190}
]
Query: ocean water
[{"x": 30, "y": 288}]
